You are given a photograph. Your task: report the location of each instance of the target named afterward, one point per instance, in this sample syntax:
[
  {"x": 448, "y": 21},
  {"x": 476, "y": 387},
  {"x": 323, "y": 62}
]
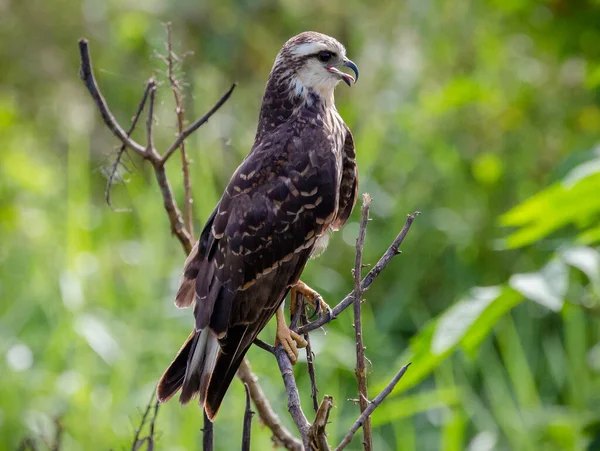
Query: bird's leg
[
  {"x": 289, "y": 339},
  {"x": 311, "y": 296}
]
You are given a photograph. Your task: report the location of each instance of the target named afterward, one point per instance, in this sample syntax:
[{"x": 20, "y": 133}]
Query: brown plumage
[{"x": 298, "y": 180}]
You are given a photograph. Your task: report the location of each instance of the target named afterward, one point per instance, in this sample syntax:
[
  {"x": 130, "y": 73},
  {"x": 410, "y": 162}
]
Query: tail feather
[
  {"x": 191, "y": 369},
  {"x": 171, "y": 380},
  {"x": 225, "y": 368}
]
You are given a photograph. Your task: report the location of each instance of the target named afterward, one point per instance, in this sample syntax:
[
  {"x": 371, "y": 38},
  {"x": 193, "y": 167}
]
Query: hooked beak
[{"x": 347, "y": 78}]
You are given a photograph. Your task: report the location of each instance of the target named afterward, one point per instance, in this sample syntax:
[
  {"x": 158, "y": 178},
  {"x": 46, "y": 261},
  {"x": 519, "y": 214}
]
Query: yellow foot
[
  {"x": 289, "y": 339},
  {"x": 311, "y": 296}
]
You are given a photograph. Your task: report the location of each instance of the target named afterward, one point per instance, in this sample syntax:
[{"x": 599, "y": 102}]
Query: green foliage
[{"x": 478, "y": 114}]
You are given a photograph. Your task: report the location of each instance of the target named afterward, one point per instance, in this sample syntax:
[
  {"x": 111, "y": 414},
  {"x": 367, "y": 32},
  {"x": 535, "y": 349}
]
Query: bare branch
[
  {"x": 178, "y": 228},
  {"x": 361, "y": 369},
  {"x": 192, "y": 128},
  {"x": 247, "y": 422},
  {"x": 179, "y": 111},
  {"x": 294, "y": 407},
  {"x": 207, "y": 435},
  {"x": 367, "y": 281},
  {"x": 115, "y": 165},
  {"x": 87, "y": 75},
  {"x": 310, "y": 366},
  {"x": 281, "y": 435},
  {"x": 372, "y": 406},
  {"x": 150, "y": 119},
  {"x": 265, "y": 346},
  {"x": 138, "y": 441}
]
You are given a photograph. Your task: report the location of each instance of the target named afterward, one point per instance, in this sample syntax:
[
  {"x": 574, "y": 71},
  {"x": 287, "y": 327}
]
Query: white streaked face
[
  {"x": 314, "y": 59},
  {"x": 313, "y": 74}
]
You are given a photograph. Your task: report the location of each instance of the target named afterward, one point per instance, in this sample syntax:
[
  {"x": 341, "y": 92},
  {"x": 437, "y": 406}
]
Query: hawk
[{"x": 298, "y": 182}]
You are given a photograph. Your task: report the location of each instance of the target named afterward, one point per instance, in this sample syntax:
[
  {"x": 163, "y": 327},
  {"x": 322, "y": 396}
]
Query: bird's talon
[{"x": 291, "y": 342}]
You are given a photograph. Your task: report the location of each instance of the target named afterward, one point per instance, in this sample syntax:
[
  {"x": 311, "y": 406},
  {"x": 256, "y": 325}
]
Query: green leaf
[
  {"x": 456, "y": 321},
  {"x": 546, "y": 287},
  {"x": 586, "y": 259}
]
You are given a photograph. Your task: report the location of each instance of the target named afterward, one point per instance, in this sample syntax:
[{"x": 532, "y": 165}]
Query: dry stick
[
  {"x": 198, "y": 123},
  {"x": 247, "y": 422},
  {"x": 85, "y": 73},
  {"x": 318, "y": 436},
  {"x": 146, "y": 152},
  {"x": 294, "y": 407},
  {"x": 136, "y": 438},
  {"x": 150, "y": 118},
  {"x": 207, "y": 434},
  {"x": 367, "y": 281},
  {"x": 285, "y": 366},
  {"x": 115, "y": 165},
  {"x": 281, "y": 434},
  {"x": 179, "y": 111},
  {"x": 267, "y": 415},
  {"x": 152, "y": 430},
  {"x": 361, "y": 369},
  {"x": 372, "y": 406},
  {"x": 310, "y": 366},
  {"x": 265, "y": 346}
]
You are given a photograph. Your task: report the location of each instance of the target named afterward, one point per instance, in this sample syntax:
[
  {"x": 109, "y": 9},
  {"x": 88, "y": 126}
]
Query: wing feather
[{"x": 349, "y": 182}]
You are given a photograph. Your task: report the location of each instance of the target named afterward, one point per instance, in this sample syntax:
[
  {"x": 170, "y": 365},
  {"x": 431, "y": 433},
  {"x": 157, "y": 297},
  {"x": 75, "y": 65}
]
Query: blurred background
[{"x": 483, "y": 115}]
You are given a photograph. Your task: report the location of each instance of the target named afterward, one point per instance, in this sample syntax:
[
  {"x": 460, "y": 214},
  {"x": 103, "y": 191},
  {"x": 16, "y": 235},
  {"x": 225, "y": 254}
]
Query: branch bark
[
  {"x": 207, "y": 435},
  {"x": 172, "y": 60},
  {"x": 248, "y": 414},
  {"x": 318, "y": 436},
  {"x": 281, "y": 435},
  {"x": 87, "y": 76},
  {"x": 372, "y": 406},
  {"x": 196, "y": 125},
  {"x": 390, "y": 253},
  {"x": 361, "y": 369},
  {"x": 294, "y": 407}
]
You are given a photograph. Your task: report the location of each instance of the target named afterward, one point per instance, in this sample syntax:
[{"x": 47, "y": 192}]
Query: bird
[{"x": 296, "y": 185}]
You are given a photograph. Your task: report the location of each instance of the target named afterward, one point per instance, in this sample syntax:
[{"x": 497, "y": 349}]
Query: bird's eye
[{"x": 325, "y": 56}]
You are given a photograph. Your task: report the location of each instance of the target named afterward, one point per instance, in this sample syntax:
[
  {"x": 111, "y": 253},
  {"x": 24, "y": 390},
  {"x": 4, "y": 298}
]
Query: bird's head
[{"x": 311, "y": 62}]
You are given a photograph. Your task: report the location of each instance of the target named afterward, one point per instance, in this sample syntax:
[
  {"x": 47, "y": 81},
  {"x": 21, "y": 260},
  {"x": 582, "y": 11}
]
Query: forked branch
[
  {"x": 178, "y": 227},
  {"x": 313, "y": 435}
]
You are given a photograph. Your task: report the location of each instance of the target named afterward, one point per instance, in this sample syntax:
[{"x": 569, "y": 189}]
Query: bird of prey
[{"x": 298, "y": 182}]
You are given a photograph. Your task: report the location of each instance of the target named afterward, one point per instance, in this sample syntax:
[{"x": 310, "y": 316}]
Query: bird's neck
[{"x": 286, "y": 97}]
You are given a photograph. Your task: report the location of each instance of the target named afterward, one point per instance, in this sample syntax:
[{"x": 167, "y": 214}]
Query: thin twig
[
  {"x": 152, "y": 429},
  {"x": 123, "y": 148},
  {"x": 248, "y": 414},
  {"x": 372, "y": 406},
  {"x": 86, "y": 74},
  {"x": 294, "y": 407},
  {"x": 310, "y": 366},
  {"x": 207, "y": 434},
  {"x": 137, "y": 440},
  {"x": 361, "y": 369},
  {"x": 281, "y": 435},
  {"x": 367, "y": 281},
  {"x": 179, "y": 111},
  {"x": 150, "y": 119},
  {"x": 193, "y": 127},
  {"x": 265, "y": 346}
]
